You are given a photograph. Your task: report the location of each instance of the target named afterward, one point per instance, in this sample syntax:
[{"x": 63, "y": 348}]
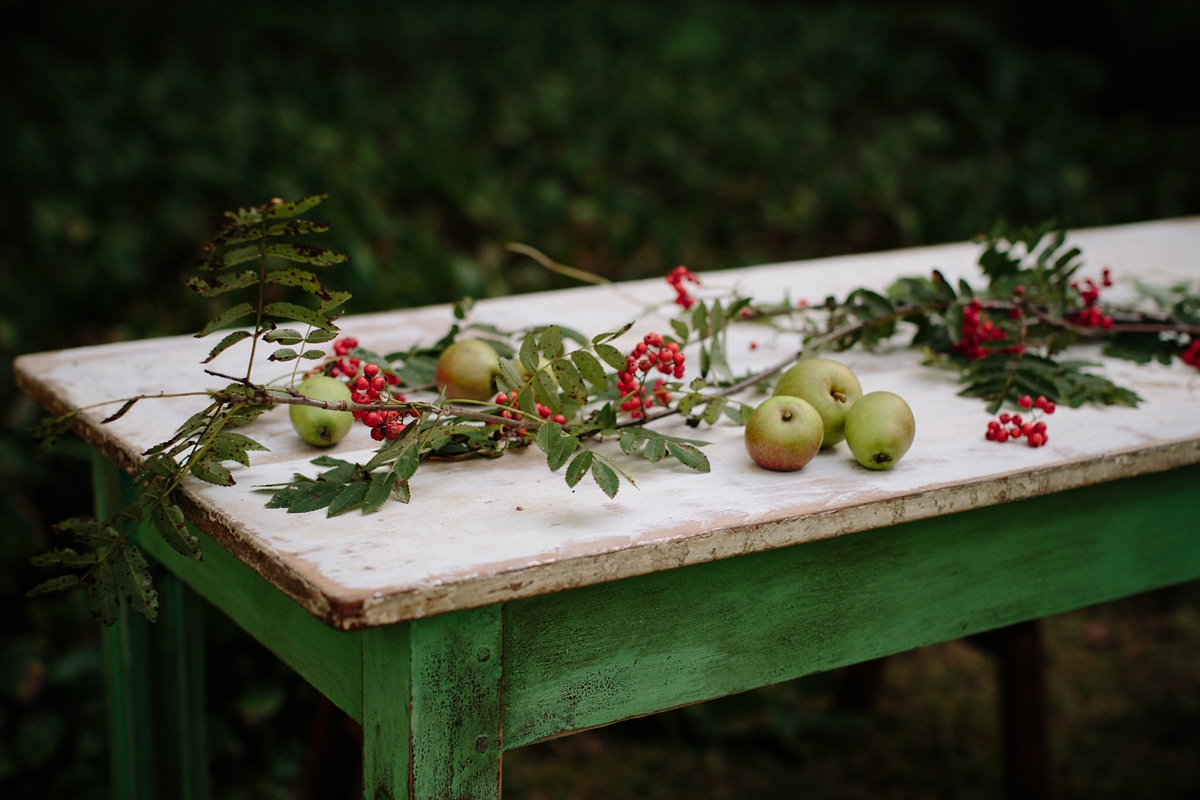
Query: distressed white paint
[{"x": 463, "y": 542}]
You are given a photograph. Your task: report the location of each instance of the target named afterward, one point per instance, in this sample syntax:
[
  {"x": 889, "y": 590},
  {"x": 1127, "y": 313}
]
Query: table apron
[{"x": 599, "y": 654}]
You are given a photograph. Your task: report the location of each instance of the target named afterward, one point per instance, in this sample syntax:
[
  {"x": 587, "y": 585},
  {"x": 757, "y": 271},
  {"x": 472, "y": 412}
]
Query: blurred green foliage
[{"x": 622, "y": 138}]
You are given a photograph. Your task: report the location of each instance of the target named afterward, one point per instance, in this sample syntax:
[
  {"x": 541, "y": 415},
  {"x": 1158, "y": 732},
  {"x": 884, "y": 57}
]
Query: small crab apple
[
  {"x": 879, "y": 430},
  {"x": 784, "y": 433},
  {"x": 467, "y": 369},
  {"x": 321, "y": 427},
  {"x": 828, "y": 386}
]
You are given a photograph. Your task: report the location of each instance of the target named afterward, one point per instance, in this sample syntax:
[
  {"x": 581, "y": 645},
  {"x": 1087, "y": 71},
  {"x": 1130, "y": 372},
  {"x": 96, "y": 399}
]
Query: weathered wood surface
[
  {"x": 462, "y": 542},
  {"x": 602, "y": 653}
]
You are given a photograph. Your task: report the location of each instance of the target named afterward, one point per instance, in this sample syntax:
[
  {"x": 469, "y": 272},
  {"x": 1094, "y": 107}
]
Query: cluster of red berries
[
  {"x": 1013, "y": 426},
  {"x": 677, "y": 278},
  {"x": 1089, "y": 293},
  {"x": 370, "y": 388},
  {"x": 976, "y": 331},
  {"x": 509, "y": 411},
  {"x": 1191, "y": 356},
  {"x": 344, "y": 365},
  {"x": 649, "y": 354}
]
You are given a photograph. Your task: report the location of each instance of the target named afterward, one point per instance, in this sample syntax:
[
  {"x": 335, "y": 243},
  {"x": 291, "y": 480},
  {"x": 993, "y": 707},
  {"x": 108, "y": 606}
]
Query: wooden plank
[
  {"x": 328, "y": 659},
  {"x": 603, "y": 653},
  {"x": 459, "y": 546},
  {"x": 387, "y": 706},
  {"x": 457, "y": 669},
  {"x": 181, "y": 741},
  {"x": 127, "y": 678}
]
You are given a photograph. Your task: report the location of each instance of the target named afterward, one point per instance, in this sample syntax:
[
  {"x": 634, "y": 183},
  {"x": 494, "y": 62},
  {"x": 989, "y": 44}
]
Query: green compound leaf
[
  {"x": 59, "y": 584},
  {"x": 210, "y": 471},
  {"x": 230, "y": 258},
  {"x": 377, "y": 495},
  {"x": 299, "y": 278},
  {"x": 606, "y": 479},
  {"x": 226, "y": 343},
  {"x": 133, "y": 579},
  {"x": 104, "y": 598},
  {"x": 509, "y": 376},
  {"x": 612, "y": 356},
  {"x": 548, "y": 435},
  {"x": 551, "y": 342},
  {"x": 689, "y": 456},
  {"x": 349, "y": 499},
  {"x": 122, "y": 411},
  {"x": 529, "y": 352},
  {"x": 297, "y": 227},
  {"x": 307, "y": 254},
  {"x": 315, "y": 496},
  {"x": 590, "y": 368},
  {"x": 225, "y": 283},
  {"x": 291, "y": 311},
  {"x": 560, "y": 452},
  {"x": 284, "y": 354},
  {"x": 655, "y": 450},
  {"x": 230, "y": 316},
  {"x": 294, "y": 208},
  {"x": 579, "y": 467},
  {"x": 570, "y": 380},
  {"x": 547, "y": 392},
  {"x": 168, "y": 521}
]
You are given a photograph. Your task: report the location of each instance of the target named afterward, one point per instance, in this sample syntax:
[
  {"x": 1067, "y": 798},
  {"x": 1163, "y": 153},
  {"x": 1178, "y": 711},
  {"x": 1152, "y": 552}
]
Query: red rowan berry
[
  {"x": 371, "y": 370},
  {"x": 522, "y": 432},
  {"x": 1004, "y": 418},
  {"x": 501, "y": 398},
  {"x": 377, "y": 434},
  {"x": 1017, "y": 420},
  {"x": 560, "y": 419},
  {"x": 378, "y": 383},
  {"x": 1001, "y": 435},
  {"x": 1049, "y": 409},
  {"x": 1025, "y": 402},
  {"x": 678, "y": 371},
  {"x": 371, "y": 418},
  {"x": 1039, "y": 427}
]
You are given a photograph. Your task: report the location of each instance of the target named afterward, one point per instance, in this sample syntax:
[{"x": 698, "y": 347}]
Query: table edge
[{"x": 354, "y": 612}]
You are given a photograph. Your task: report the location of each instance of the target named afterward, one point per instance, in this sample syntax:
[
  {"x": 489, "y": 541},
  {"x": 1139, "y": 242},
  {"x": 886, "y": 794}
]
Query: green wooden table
[{"x": 501, "y": 608}]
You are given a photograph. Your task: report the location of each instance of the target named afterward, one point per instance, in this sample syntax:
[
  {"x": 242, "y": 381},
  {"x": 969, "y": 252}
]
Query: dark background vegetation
[{"x": 624, "y": 138}]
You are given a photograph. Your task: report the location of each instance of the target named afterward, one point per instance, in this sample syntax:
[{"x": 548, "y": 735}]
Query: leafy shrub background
[{"x": 623, "y": 138}]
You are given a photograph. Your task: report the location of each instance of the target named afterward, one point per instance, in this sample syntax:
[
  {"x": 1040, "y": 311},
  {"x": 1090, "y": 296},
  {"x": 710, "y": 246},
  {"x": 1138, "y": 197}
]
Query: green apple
[
  {"x": 829, "y": 387},
  {"x": 784, "y": 433},
  {"x": 880, "y": 429},
  {"x": 320, "y": 426},
  {"x": 467, "y": 370}
]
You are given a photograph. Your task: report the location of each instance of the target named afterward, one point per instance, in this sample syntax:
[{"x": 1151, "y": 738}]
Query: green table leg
[
  {"x": 155, "y": 685},
  {"x": 431, "y": 708}
]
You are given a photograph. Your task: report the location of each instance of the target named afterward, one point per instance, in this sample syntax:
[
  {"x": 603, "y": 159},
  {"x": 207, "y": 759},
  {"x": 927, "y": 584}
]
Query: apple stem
[{"x": 841, "y": 398}]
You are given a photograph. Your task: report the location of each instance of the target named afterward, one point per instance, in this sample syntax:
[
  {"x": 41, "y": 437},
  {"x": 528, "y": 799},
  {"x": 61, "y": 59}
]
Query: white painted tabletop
[{"x": 463, "y": 541}]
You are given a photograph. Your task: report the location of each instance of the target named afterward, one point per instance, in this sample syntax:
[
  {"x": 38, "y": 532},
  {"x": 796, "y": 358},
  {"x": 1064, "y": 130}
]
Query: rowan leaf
[
  {"x": 104, "y": 597},
  {"x": 59, "y": 584},
  {"x": 226, "y": 343},
  {"x": 349, "y": 499},
  {"x": 307, "y": 254},
  {"x": 548, "y": 435},
  {"x": 128, "y": 404},
  {"x": 655, "y": 450},
  {"x": 377, "y": 495},
  {"x": 297, "y": 227},
  {"x": 547, "y": 392},
  {"x": 529, "y": 352},
  {"x": 579, "y": 467},
  {"x": 224, "y": 283},
  {"x": 560, "y": 452},
  {"x": 168, "y": 521},
  {"x": 290, "y": 311},
  {"x": 63, "y": 557},
  {"x": 509, "y": 376},
  {"x": 133, "y": 579},
  {"x": 606, "y": 479},
  {"x": 228, "y": 317},
  {"x": 612, "y": 356},
  {"x": 550, "y": 342},
  {"x": 407, "y": 462},
  {"x": 689, "y": 456},
  {"x": 284, "y": 354},
  {"x": 210, "y": 471},
  {"x": 294, "y": 208},
  {"x": 590, "y": 368},
  {"x": 299, "y": 278},
  {"x": 230, "y": 258},
  {"x": 570, "y": 380},
  {"x": 315, "y": 496}
]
